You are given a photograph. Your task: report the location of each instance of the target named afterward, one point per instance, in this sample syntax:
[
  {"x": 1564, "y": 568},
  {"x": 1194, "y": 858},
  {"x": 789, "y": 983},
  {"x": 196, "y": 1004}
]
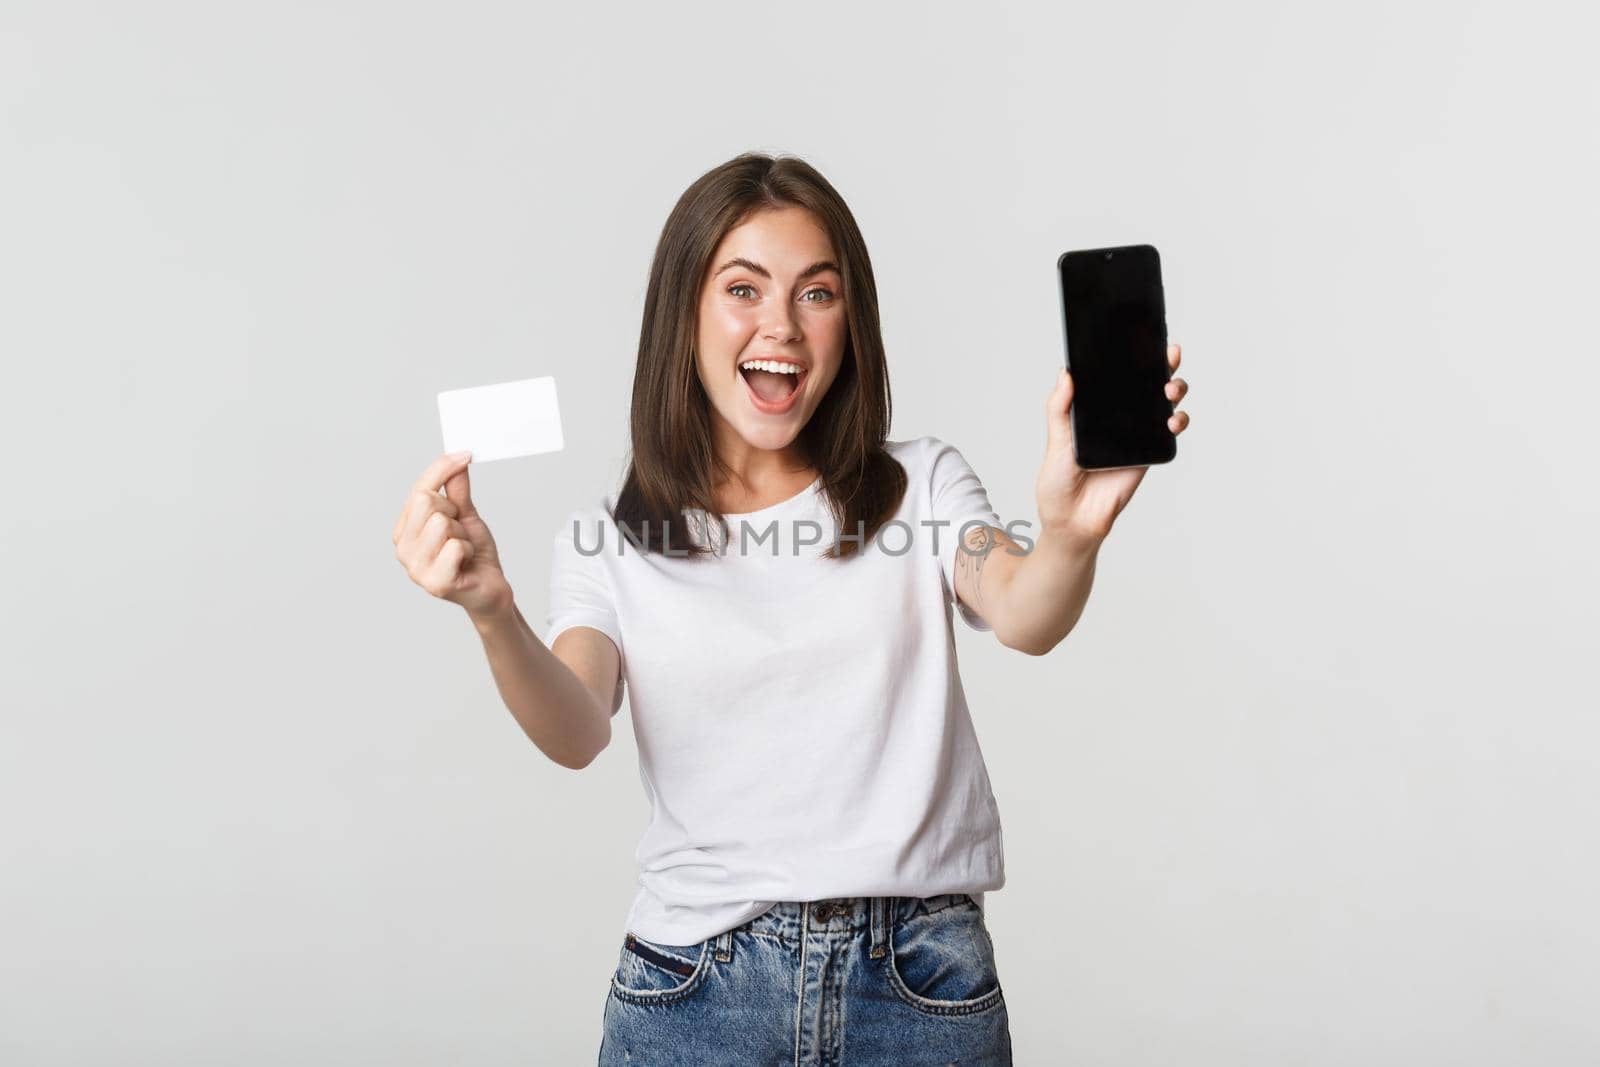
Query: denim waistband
[
  {"x": 842, "y": 917},
  {"x": 843, "y": 914}
]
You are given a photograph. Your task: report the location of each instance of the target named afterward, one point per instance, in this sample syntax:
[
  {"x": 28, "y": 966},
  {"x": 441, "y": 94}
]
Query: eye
[
  {"x": 731, "y": 288},
  {"x": 825, "y": 292}
]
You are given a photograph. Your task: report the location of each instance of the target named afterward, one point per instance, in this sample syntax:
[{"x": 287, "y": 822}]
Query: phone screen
[{"x": 1116, "y": 335}]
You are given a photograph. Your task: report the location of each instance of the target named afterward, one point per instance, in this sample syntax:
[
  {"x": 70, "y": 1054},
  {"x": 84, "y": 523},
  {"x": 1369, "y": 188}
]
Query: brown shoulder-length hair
[{"x": 674, "y": 464}]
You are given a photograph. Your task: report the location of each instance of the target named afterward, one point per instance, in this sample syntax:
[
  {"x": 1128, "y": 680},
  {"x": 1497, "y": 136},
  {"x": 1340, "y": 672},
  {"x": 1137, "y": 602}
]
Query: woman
[{"x": 775, "y": 582}]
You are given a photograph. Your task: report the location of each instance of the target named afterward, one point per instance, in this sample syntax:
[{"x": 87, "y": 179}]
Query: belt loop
[
  {"x": 725, "y": 946},
  {"x": 881, "y": 917}
]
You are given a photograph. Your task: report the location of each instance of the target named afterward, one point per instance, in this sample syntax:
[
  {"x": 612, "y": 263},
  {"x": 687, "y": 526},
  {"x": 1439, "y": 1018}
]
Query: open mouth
[{"x": 771, "y": 390}]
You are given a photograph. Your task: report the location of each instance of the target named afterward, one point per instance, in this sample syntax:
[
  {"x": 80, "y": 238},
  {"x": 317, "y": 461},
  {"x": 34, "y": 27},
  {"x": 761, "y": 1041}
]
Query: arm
[
  {"x": 1034, "y": 600},
  {"x": 563, "y": 698}
]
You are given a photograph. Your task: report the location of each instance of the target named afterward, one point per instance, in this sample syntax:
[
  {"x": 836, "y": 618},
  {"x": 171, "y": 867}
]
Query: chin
[{"x": 769, "y": 437}]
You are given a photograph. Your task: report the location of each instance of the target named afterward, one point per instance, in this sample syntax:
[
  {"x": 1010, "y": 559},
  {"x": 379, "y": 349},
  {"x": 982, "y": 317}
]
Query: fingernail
[{"x": 459, "y": 456}]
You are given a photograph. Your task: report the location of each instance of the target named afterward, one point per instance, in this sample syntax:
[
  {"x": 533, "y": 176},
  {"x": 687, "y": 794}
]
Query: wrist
[
  {"x": 1070, "y": 538},
  {"x": 496, "y": 618}
]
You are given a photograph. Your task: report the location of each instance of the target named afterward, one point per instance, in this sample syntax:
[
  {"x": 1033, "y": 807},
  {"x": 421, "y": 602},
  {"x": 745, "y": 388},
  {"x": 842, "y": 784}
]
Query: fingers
[
  {"x": 1176, "y": 389},
  {"x": 434, "y": 475},
  {"x": 459, "y": 489},
  {"x": 1058, "y": 423},
  {"x": 438, "y": 529},
  {"x": 419, "y": 505},
  {"x": 433, "y": 535},
  {"x": 418, "y": 547},
  {"x": 445, "y": 570},
  {"x": 435, "y": 557},
  {"x": 427, "y": 485},
  {"x": 429, "y": 539}
]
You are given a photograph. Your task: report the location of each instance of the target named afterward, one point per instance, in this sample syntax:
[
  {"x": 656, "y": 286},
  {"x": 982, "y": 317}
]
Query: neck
[{"x": 759, "y": 476}]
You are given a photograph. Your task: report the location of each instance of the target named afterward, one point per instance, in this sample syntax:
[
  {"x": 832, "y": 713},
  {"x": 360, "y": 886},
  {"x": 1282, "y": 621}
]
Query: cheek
[
  {"x": 834, "y": 333},
  {"x": 733, "y": 324}
]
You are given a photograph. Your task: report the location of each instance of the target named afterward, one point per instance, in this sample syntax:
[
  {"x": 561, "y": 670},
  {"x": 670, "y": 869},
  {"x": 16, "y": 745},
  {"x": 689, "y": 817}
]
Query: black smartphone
[{"x": 1114, "y": 316}]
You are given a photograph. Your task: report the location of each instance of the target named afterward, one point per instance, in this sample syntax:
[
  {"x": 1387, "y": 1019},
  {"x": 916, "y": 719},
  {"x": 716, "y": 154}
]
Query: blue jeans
[{"x": 851, "y": 982}]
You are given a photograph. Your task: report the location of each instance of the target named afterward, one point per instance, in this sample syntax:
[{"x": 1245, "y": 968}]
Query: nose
[{"x": 782, "y": 327}]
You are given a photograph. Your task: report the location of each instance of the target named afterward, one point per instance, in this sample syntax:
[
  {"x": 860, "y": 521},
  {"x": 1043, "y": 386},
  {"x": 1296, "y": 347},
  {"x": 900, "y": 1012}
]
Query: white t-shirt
[{"x": 801, "y": 727}]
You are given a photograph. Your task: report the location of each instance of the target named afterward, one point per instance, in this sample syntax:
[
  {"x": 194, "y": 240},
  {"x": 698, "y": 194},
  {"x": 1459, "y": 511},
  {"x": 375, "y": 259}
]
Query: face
[{"x": 774, "y": 293}]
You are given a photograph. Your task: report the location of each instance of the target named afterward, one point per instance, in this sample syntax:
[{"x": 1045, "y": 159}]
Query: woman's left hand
[{"x": 1084, "y": 503}]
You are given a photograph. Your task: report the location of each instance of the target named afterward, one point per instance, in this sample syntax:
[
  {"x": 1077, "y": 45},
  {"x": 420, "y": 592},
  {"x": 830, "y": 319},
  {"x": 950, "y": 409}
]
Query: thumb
[
  {"x": 459, "y": 489},
  {"x": 1056, "y": 408}
]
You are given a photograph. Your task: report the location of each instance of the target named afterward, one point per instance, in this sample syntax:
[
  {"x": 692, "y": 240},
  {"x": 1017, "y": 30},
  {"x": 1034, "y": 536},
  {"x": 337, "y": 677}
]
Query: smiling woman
[
  {"x": 822, "y": 830},
  {"x": 782, "y": 332},
  {"x": 812, "y": 877},
  {"x": 760, "y": 365}
]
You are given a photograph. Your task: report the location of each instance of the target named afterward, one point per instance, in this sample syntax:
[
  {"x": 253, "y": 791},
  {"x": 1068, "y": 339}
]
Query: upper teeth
[{"x": 771, "y": 365}]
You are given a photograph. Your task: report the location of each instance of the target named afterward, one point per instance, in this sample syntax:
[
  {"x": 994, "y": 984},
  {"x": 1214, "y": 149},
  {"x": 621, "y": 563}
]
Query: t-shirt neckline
[{"x": 803, "y": 494}]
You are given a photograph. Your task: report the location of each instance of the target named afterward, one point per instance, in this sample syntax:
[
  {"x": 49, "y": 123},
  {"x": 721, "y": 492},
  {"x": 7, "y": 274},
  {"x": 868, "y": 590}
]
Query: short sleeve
[
  {"x": 580, "y": 590},
  {"x": 957, "y": 497}
]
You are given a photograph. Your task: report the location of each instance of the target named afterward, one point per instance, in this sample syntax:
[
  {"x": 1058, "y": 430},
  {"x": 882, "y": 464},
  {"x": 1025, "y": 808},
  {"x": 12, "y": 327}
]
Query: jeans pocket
[
  {"x": 942, "y": 962},
  {"x": 649, "y": 972}
]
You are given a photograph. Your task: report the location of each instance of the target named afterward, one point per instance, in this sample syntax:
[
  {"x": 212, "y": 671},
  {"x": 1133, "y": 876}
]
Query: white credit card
[{"x": 500, "y": 421}]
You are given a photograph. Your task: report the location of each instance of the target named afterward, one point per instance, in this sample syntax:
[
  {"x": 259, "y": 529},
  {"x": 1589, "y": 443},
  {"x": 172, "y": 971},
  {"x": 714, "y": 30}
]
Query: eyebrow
[{"x": 815, "y": 268}]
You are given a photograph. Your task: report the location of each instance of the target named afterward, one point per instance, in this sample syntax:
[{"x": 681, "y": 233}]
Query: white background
[{"x": 1313, "y": 782}]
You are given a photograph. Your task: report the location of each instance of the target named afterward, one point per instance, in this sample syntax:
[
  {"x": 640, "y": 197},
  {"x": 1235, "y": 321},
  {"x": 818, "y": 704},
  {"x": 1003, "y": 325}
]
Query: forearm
[
  {"x": 1045, "y": 594},
  {"x": 551, "y": 704}
]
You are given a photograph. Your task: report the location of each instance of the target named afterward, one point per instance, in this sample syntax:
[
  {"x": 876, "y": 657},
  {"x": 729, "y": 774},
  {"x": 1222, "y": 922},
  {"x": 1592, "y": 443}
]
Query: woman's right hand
[{"x": 444, "y": 544}]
